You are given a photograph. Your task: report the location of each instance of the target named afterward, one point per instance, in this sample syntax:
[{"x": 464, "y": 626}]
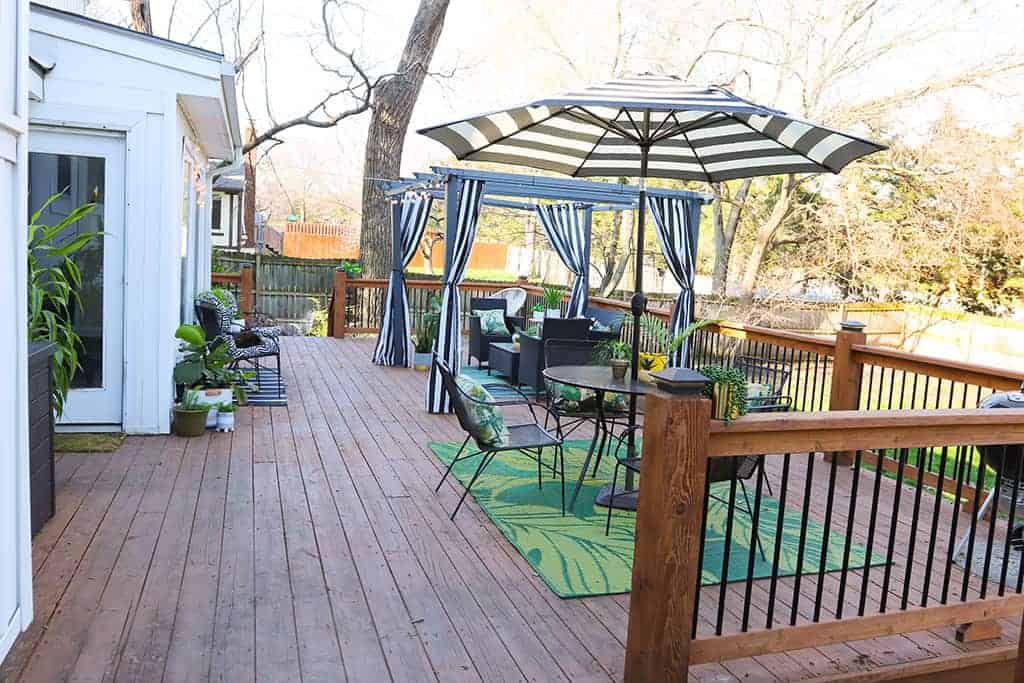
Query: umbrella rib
[
  {"x": 680, "y": 129},
  {"x": 696, "y": 156},
  {"x": 607, "y": 125},
  {"x": 640, "y": 136},
  {"x": 785, "y": 146},
  {"x": 584, "y": 162}
]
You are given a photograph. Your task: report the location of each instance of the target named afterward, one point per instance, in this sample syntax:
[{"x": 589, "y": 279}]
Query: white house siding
[
  {"x": 108, "y": 79},
  {"x": 15, "y": 549}
]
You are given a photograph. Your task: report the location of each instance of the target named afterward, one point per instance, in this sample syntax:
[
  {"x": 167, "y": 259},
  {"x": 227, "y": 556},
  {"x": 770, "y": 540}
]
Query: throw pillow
[
  {"x": 599, "y": 326},
  {"x": 486, "y": 421},
  {"x": 492, "y": 322},
  {"x": 569, "y": 399}
]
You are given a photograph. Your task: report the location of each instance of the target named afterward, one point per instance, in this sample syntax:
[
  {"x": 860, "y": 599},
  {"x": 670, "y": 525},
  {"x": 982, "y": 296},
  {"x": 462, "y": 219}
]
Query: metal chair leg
[
  {"x": 611, "y": 499},
  {"x": 448, "y": 469},
  {"x": 600, "y": 447},
  {"x": 561, "y": 460},
  {"x": 484, "y": 462},
  {"x": 979, "y": 515},
  {"x": 540, "y": 477}
]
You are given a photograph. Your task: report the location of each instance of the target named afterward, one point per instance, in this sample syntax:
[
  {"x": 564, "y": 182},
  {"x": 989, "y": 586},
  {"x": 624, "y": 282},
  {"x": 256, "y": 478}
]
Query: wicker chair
[
  {"x": 480, "y": 343},
  {"x": 531, "y": 348}
]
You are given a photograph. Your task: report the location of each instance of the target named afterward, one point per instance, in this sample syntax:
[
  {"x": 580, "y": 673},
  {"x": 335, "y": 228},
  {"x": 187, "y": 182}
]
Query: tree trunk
[
  {"x": 248, "y": 239},
  {"x": 725, "y": 234},
  {"x": 142, "y": 18},
  {"x": 394, "y": 100},
  {"x": 765, "y": 234},
  {"x": 616, "y": 259}
]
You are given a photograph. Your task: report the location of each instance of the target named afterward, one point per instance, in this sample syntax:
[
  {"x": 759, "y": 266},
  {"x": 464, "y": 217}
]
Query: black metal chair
[
  {"x": 611, "y": 319},
  {"x": 215, "y": 319},
  {"x": 531, "y": 348},
  {"x": 740, "y": 468},
  {"x": 480, "y": 343},
  {"x": 522, "y": 438},
  {"x": 772, "y": 373}
]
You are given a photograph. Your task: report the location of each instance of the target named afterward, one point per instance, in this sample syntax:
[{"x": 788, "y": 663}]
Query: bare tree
[
  {"x": 142, "y": 18},
  {"x": 393, "y": 103}
]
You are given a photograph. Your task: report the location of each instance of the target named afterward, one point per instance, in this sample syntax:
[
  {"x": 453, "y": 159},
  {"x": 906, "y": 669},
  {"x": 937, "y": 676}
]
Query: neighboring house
[
  {"x": 142, "y": 126},
  {"x": 15, "y": 535},
  {"x": 227, "y": 221}
]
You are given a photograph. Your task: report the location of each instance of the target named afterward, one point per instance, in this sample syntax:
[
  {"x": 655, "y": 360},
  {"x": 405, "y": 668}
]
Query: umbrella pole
[{"x": 638, "y": 305}]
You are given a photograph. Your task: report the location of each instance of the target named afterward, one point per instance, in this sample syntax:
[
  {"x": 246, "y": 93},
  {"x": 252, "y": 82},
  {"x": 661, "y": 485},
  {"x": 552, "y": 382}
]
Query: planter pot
[
  {"x": 421, "y": 361},
  {"x": 720, "y": 396},
  {"x": 538, "y": 316},
  {"x": 214, "y": 397},
  {"x": 225, "y": 422},
  {"x": 42, "y": 500},
  {"x": 553, "y": 313},
  {"x": 619, "y": 368},
  {"x": 189, "y": 422}
]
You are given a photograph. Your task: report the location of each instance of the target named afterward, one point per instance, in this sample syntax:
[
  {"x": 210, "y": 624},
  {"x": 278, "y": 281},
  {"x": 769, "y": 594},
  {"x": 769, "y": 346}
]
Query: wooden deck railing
[
  {"x": 241, "y": 285},
  {"x": 912, "y": 585}
]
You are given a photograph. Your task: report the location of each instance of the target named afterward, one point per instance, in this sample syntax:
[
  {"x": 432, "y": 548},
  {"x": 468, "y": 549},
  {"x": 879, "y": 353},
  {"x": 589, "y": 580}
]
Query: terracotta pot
[
  {"x": 189, "y": 422},
  {"x": 619, "y": 368}
]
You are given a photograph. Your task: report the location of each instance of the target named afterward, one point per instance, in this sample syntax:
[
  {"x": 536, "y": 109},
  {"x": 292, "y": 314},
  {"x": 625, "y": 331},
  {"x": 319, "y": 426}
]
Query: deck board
[{"x": 310, "y": 544}]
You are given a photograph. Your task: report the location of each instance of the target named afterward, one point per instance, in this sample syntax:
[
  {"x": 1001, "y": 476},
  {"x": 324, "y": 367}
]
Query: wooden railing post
[
  {"x": 846, "y": 375},
  {"x": 340, "y": 299},
  {"x": 245, "y": 294},
  {"x": 668, "y": 535}
]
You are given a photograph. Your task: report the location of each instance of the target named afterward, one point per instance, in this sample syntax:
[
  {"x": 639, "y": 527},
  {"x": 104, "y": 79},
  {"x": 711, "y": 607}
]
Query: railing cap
[{"x": 852, "y": 325}]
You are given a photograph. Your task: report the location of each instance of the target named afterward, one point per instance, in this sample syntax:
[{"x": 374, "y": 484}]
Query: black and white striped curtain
[
  {"x": 394, "y": 344},
  {"x": 461, "y": 231},
  {"x": 567, "y": 233},
  {"x": 677, "y": 224}
]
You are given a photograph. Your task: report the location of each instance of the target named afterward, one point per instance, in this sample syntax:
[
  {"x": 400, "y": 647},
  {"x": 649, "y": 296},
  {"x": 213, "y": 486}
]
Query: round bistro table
[{"x": 598, "y": 378}]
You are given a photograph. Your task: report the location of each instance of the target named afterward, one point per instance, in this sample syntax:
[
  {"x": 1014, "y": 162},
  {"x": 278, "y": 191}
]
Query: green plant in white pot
[
  {"x": 552, "y": 301},
  {"x": 226, "y": 417},
  {"x": 205, "y": 367}
]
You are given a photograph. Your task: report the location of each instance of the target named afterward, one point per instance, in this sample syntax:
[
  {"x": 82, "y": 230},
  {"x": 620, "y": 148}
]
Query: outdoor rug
[
  {"x": 576, "y": 559},
  {"x": 481, "y": 376},
  {"x": 269, "y": 391}
]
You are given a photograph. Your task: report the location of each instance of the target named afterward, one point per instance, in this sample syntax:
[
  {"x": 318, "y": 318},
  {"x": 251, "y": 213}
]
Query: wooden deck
[{"x": 310, "y": 545}]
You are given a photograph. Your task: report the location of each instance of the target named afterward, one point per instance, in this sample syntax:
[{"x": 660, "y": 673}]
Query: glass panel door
[{"x": 84, "y": 167}]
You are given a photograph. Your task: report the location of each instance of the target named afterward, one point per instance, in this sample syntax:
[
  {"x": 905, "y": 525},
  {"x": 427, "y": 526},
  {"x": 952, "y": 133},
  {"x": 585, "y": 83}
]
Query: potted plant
[
  {"x": 663, "y": 343},
  {"x": 552, "y": 300},
  {"x": 616, "y": 354},
  {"x": 538, "y": 312},
  {"x": 727, "y": 390},
  {"x": 427, "y": 333},
  {"x": 226, "y": 417},
  {"x": 190, "y": 415},
  {"x": 204, "y": 366}
]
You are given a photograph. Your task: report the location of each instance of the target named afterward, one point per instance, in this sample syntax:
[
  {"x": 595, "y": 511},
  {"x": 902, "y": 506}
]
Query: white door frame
[
  {"x": 15, "y": 511},
  {"x": 102, "y": 405}
]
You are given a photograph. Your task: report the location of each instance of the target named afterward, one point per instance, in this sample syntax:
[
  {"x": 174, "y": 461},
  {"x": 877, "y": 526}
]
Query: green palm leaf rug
[{"x": 576, "y": 559}]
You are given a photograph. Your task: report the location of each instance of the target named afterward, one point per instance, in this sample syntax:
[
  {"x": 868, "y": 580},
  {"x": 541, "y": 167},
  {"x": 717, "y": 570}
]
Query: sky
[{"x": 498, "y": 53}]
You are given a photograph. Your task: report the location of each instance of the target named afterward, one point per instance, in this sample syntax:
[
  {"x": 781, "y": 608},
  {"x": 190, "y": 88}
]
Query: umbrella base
[{"x": 624, "y": 500}]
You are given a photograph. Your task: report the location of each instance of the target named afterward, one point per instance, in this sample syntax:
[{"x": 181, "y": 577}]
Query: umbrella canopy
[
  {"x": 683, "y": 132},
  {"x": 651, "y": 126}
]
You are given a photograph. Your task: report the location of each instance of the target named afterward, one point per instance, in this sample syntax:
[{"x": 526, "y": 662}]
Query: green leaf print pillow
[
  {"x": 487, "y": 423},
  {"x": 492, "y": 322}
]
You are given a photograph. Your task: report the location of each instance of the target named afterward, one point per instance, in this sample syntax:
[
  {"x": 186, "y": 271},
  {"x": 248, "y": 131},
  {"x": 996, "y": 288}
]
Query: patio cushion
[
  {"x": 488, "y": 425},
  {"x": 492, "y": 322},
  {"x": 598, "y": 326},
  {"x": 571, "y": 399}
]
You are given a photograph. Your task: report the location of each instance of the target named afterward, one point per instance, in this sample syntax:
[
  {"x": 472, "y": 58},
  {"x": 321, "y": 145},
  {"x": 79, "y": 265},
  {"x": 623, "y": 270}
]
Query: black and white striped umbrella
[
  {"x": 651, "y": 126},
  {"x": 681, "y": 131}
]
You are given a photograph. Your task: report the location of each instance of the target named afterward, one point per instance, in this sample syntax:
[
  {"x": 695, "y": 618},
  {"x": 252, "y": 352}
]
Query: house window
[{"x": 215, "y": 224}]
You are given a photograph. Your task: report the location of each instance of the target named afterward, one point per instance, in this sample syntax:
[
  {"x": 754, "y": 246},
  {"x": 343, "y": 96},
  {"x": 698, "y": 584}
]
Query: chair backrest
[
  {"x": 566, "y": 328},
  {"x": 458, "y": 399},
  {"x": 481, "y": 303},
  {"x": 612, "y": 319},
  {"x": 569, "y": 352},
  {"x": 774, "y": 373},
  {"x": 515, "y": 298},
  {"x": 736, "y": 467},
  {"x": 214, "y": 317}
]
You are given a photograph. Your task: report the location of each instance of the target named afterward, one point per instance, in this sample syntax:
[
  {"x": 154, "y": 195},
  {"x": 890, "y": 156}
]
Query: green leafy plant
[
  {"x": 351, "y": 268},
  {"x": 735, "y": 398},
  {"x": 226, "y": 407},
  {"x": 190, "y": 402},
  {"x": 427, "y": 331},
  {"x": 204, "y": 364},
  {"x": 552, "y": 297},
  {"x": 54, "y": 281},
  {"x": 538, "y": 308},
  {"x": 318, "y": 323},
  {"x": 661, "y": 338},
  {"x": 612, "y": 349}
]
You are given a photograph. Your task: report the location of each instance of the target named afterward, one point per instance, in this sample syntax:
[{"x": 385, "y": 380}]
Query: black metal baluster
[
  {"x": 777, "y": 551},
  {"x": 850, "y": 513},
  {"x": 993, "y": 517},
  {"x": 826, "y": 535},
  {"x": 915, "y": 516},
  {"x": 754, "y": 541},
  {"x": 1009, "y": 525},
  {"x": 869, "y": 551},
  {"x": 805, "y": 513},
  {"x": 960, "y": 470},
  {"x": 723, "y": 591},
  {"x": 700, "y": 551},
  {"x": 978, "y": 489},
  {"x": 930, "y": 560},
  {"x": 892, "y": 529}
]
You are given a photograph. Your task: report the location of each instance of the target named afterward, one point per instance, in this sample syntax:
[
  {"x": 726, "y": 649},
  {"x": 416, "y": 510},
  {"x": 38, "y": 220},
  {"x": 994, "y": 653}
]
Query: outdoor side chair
[
  {"x": 531, "y": 349},
  {"x": 215, "y": 319},
  {"x": 529, "y": 438},
  {"x": 774, "y": 375}
]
